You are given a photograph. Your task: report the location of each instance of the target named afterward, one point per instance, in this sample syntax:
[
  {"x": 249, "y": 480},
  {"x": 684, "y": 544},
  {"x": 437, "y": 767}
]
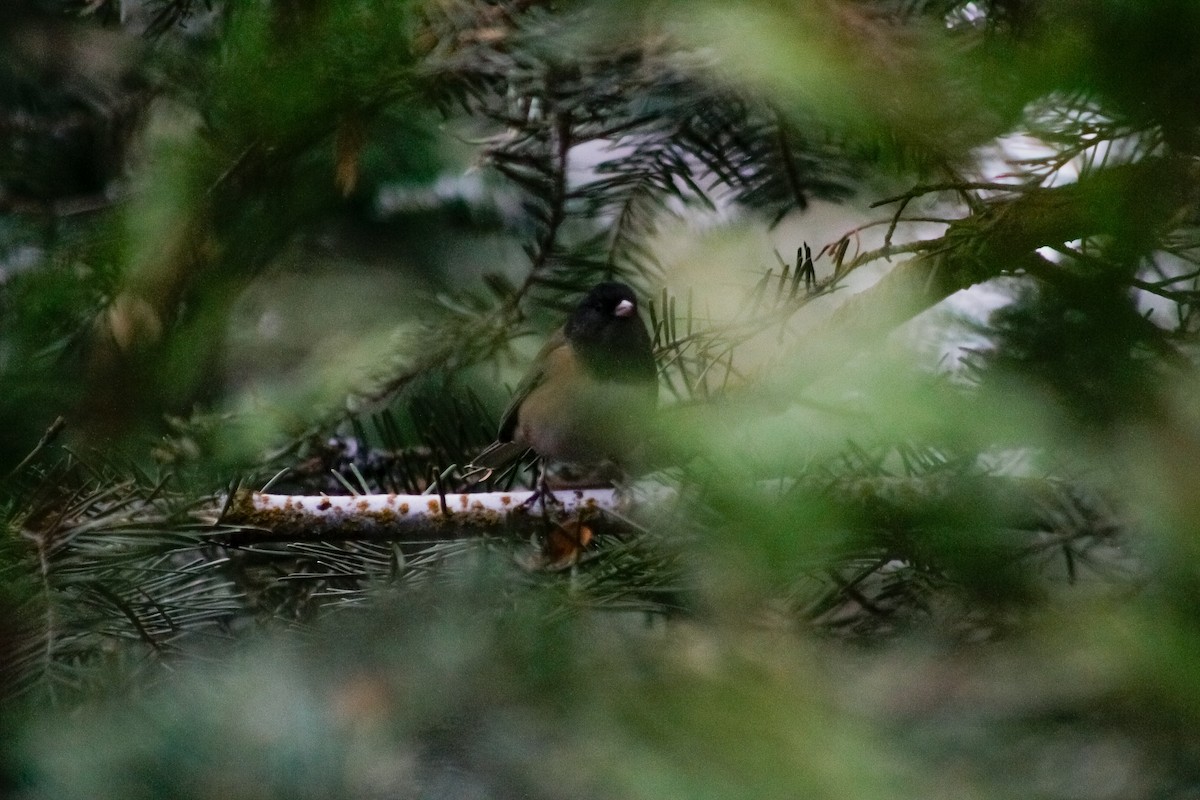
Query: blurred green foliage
[{"x": 910, "y": 548}]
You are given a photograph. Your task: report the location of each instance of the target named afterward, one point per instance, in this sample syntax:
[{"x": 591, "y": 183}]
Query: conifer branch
[{"x": 1001, "y": 240}]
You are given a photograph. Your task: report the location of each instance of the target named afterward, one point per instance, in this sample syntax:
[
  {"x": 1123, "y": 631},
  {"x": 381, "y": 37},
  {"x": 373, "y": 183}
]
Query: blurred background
[{"x": 921, "y": 276}]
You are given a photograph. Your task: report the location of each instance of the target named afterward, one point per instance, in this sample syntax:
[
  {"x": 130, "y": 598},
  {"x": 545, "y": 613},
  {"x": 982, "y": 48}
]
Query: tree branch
[
  {"x": 1130, "y": 200},
  {"x": 422, "y": 517}
]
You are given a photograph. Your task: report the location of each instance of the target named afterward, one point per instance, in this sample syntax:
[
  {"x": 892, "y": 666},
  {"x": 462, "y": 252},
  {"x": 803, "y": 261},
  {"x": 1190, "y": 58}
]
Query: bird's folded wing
[
  {"x": 533, "y": 378},
  {"x": 504, "y": 450}
]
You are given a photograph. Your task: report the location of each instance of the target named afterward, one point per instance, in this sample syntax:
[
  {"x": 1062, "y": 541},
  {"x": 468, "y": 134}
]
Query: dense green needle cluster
[{"x": 915, "y": 517}]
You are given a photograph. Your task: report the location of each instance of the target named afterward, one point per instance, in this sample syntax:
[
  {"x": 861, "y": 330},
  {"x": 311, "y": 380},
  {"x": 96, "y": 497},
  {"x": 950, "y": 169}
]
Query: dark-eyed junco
[{"x": 590, "y": 392}]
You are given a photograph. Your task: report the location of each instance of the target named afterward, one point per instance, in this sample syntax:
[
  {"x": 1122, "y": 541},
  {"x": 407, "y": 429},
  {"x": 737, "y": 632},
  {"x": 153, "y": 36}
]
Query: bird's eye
[{"x": 624, "y": 308}]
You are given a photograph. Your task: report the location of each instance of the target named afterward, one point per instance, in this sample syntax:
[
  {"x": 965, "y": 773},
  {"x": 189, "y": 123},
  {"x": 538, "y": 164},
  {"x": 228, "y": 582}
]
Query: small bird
[{"x": 591, "y": 390}]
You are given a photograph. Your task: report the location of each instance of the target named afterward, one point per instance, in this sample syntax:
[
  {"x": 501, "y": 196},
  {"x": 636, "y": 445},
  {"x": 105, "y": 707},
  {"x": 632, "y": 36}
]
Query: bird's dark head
[
  {"x": 606, "y": 304},
  {"x": 608, "y": 332}
]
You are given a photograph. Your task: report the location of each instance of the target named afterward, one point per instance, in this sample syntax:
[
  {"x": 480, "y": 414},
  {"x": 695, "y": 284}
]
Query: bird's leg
[
  {"x": 547, "y": 494},
  {"x": 542, "y": 490},
  {"x": 539, "y": 487}
]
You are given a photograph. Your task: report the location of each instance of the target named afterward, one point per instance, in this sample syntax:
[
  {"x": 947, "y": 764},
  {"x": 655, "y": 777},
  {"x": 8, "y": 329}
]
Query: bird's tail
[{"x": 498, "y": 455}]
